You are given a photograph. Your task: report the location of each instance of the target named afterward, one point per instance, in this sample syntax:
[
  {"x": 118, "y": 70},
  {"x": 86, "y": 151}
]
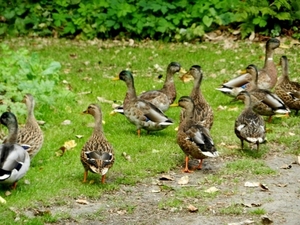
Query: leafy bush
[
  {"x": 161, "y": 19},
  {"x": 22, "y": 72}
]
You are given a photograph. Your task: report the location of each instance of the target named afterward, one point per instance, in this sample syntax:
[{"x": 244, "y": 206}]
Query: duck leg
[
  {"x": 85, "y": 175},
  {"x": 14, "y": 185},
  {"x": 103, "y": 179},
  {"x": 139, "y": 132},
  {"x": 199, "y": 167},
  {"x": 270, "y": 119},
  {"x": 242, "y": 144},
  {"x": 186, "y": 169},
  {"x": 257, "y": 144}
]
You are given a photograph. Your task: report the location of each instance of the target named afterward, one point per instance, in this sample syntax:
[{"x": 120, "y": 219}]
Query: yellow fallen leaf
[
  {"x": 2, "y": 200},
  {"x": 70, "y": 144}
]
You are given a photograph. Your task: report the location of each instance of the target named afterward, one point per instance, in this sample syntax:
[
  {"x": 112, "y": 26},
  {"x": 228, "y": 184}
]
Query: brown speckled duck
[
  {"x": 203, "y": 112},
  {"x": 249, "y": 126},
  {"x": 143, "y": 114},
  {"x": 267, "y": 75},
  {"x": 194, "y": 139},
  {"x": 164, "y": 97},
  {"x": 97, "y": 154},
  {"x": 31, "y": 136},
  {"x": 265, "y": 103},
  {"x": 286, "y": 89}
]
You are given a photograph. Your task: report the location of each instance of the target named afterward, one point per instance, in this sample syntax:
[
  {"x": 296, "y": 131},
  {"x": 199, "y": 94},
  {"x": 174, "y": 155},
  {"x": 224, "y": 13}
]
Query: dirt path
[{"x": 143, "y": 203}]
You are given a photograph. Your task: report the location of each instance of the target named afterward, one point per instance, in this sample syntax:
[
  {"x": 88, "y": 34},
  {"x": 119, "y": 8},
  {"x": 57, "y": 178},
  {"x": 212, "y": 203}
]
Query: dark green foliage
[{"x": 177, "y": 20}]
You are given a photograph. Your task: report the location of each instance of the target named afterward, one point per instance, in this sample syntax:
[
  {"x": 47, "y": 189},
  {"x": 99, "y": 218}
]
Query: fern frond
[
  {"x": 282, "y": 3},
  {"x": 284, "y": 16}
]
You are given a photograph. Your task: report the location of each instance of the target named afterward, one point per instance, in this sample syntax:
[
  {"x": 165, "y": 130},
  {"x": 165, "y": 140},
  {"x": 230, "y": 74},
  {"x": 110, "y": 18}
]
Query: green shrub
[{"x": 179, "y": 20}]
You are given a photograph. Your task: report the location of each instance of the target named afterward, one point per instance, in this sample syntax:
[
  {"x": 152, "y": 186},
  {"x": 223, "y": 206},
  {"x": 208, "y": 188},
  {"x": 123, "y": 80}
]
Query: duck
[
  {"x": 249, "y": 126},
  {"x": 30, "y": 136},
  {"x": 287, "y": 90},
  {"x": 194, "y": 139},
  {"x": 164, "y": 97},
  {"x": 203, "y": 111},
  {"x": 265, "y": 102},
  {"x": 267, "y": 75},
  {"x": 143, "y": 114},
  {"x": 14, "y": 160},
  {"x": 97, "y": 154}
]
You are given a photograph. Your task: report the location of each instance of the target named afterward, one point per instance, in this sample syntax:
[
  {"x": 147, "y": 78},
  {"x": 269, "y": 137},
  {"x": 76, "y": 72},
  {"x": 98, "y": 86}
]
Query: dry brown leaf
[
  {"x": 286, "y": 167},
  {"x": 266, "y": 220},
  {"x": 7, "y": 193},
  {"x": 263, "y": 187},
  {"x": 281, "y": 185},
  {"x": 192, "y": 208},
  {"x": 166, "y": 177},
  {"x": 127, "y": 157},
  {"x": 183, "y": 180},
  {"x": 82, "y": 201},
  {"x": 101, "y": 99}
]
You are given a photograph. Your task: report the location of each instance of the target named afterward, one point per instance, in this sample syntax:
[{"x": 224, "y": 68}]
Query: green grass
[{"x": 88, "y": 67}]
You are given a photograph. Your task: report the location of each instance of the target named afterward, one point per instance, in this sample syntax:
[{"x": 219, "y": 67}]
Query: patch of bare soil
[{"x": 279, "y": 197}]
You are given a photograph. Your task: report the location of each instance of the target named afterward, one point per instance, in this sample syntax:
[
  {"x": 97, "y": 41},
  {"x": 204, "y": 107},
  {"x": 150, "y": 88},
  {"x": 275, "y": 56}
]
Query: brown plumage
[
  {"x": 194, "y": 139},
  {"x": 164, "y": 97},
  {"x": 265, "y": 103},
  {"x": 97, "y": 154},
  {"x": 286, "y": 89},
  {"x": 143, "y": 114},
  {"x": 267, "y": 75},
  {"x": 203, "y": 113},
  {"x": 249, "y": 126},
  {"x": 30, "y": 137}
]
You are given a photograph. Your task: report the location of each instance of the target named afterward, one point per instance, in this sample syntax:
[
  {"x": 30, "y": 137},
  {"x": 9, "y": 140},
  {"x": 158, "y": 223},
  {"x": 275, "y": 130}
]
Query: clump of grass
[
  {"x": 258, "y": 211},
  {"x": 250, "y": 166},
  {"x": 232, "y": 209}
]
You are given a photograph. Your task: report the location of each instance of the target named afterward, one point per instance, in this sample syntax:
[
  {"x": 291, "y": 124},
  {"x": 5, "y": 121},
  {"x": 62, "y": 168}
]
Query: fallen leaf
[
  {"x": 286, "y": 167},
  {"x": 121, "y": 212},
  {"x": 211, "y": 190},
  {"x": 183, "y": 180},
  {"x": 2, "y": 200},
  {"x": 66, "y": 122},
  {"x": 251, "y": 184},
  {"x": 266, "y": 220},
  {"x": 292, "y": 134},
  {"x": 101, "y": 99},
  {"x": 41, "y": 122},
  {"x": 264, "y": 187},
  {"x": 82, "y": 201},
  {"x": 7, "y": 193},
  {"x": 155, "y": 190},
  {"x": 281, "y": 185},
  {"x": 166, "y": 177},
  {"x": 245, "y": 222},
  {"x": 70, "y": 144},
  {"x": 79, "y": 136},
  {"x": 127, "y": 157},
  {"x": 192, "y": 208}
]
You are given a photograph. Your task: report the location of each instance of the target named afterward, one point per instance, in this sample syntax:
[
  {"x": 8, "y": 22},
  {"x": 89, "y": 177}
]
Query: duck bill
[
  {"x": 174, "y": 105},
  {"x": 116, "y": 78}
]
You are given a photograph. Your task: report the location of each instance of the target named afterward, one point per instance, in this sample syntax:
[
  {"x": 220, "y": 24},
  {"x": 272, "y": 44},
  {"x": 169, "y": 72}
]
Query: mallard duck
[
  {"x": 267, "y": 75},
  {"x": 287, "y": 90},
  {"x": 249, "y": 126},
  {"x": 141, "y": 113},
  {"x": 194, "y": 139},
  {"x": 97, "y": 154},
  {"x": 203, "y": 112},
  {"x": 265, "y": 103},
  {"x": 14, "y": 160},
  {"x": 31, "y": 136},
  {"x": 164, "y": 97}
]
